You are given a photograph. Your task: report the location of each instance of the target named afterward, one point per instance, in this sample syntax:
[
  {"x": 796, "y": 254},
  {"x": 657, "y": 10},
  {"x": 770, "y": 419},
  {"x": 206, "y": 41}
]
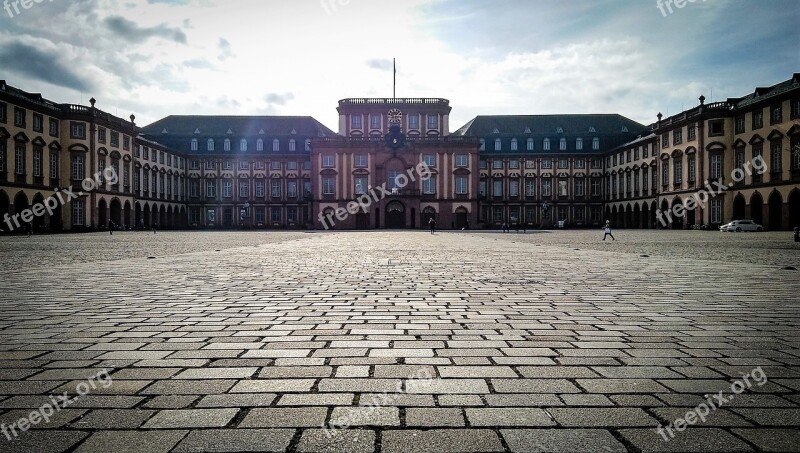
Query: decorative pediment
[
  {"x": 462, "y": 172},
  {"x": 664, "y": 156},
  {"x": 54, "y": 145},
  {"x": 243, "y": 176},
  {"x": 137, "y": 165},
  {"x": 39, "y": 142},
  {"x": 547, "y": 175},
  {"x": 580, "y": 175},
  {"x": 756, "y": 139},
  {"x": 774, "y": 135},
  {"x": 21, "y": 137},
  {"x": 513, "y": 175},
  {"x": 127, "y": 158},
  {"x": 716, "y": 146},
  {"x": 291, "y": 175},
  {"x": 227, "y": 175},
  {"x": 739, "y": 143},
  {"x": 146, "y": 166},
  {"x": 78, "y": 148},
  {"x": 644, "y": 165},
  {"x": 597, "y": 174},
  {"x": 276, "y": 176},
  {"x": 677, "y": 153},
  {"x": 628, "y": 170},
  {"x": 530, "y": 174},
  {"x": 498, "y": 175},
  {"x": 4, "y": 133},
  {"x": 563, "y": 174},
  {"x": 116, "y": 155},
  {"x": 795, "y": 130}
]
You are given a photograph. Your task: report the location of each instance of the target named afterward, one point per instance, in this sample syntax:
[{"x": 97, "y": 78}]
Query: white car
[
  {"x": 744, "y": 225},
  {"x": 725, "y": 227}
]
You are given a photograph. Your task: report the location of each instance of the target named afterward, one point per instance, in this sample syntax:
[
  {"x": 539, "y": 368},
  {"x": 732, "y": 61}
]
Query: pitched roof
[
  {"x": 551, "y": 125},
  {"x": 238, "y": 126},
  {"x": 764, "y": 93}
]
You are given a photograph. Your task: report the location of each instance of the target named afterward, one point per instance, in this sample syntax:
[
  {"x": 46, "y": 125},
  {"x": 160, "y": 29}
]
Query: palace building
[{"x": 268, "y": 172}]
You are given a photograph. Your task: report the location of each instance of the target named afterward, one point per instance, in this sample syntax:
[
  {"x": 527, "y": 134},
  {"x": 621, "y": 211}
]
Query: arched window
[
  {"x": 498, "y": 145},
  {"x": 579, "y": 144},
  {"x": 292, "y": 145},
  {"x": 483, "y": 145},
  {"x": 514, "y": 144},
  {"x": 276, "y": 145},
  {"x": 194, "y": 144},
  {"x": 530, "y": 144},
  {"x": 595, "y": 143},
  {"x": 260, "y": 145},
  {"x": 243, "y": 145},
  {"x": 210, "y": 145},
  {"x": 308, "y": 144},
  {"x": 563, "y": 144},
  {"x": 227, "y": 145},
  {"x": 546, "y": 144}
]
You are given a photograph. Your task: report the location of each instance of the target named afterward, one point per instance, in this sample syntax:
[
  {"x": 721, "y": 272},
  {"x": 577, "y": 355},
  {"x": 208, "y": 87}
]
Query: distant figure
[
  {"x": 516, "y": 227},
  {"x": 607, "y": 231},
  {"x": 432, "y": 223},
  {"x": 525, "y": 228},
  {"x": 29, "y": 228},
  {"x": 505, "y": 227},
  {"x": 141, "y": 225},
  {"x": 111, "y": 227},
  {"x": 467, "y": 224},
  {"x": 155, "y": 227}
]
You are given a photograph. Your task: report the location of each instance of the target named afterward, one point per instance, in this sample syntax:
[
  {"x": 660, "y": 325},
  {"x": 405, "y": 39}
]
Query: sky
[{"x": 155, "y": 58}]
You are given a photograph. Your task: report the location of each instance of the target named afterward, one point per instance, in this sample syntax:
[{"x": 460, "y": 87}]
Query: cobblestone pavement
[{"x": 401, "y": 341}]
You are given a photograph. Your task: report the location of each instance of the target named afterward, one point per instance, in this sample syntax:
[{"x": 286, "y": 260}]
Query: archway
[
  {"x": 395, "y": 215},
  {"x": 664, "y": 219},
  {"x": 645, "y": 216},
  {"x": 428, "y": 214},
  {"x": 57, "y": 219},
  {"x": 127, "y": 216},
  {"x": 757, "y": 208},
  {"x": 739, "y": 208},
  {"x": 38, "y": 221},
  {"x": 794, "y": 208},
  {"x": 5, "y": 205},
  {"x": 20, "y": 204},
  {"x": 102, "y": 214},
  {"x": 116, "y": 212},
  {"x": 184, "y": 220},
  {"x": 653, "y": 210},
  {"x": 637, "y": 216},
  {"x": 154, "y": 217},
  {"x": 613, "y": 217},
  {"x": 677, "y": 206},
  {"x": 362, "y": 220},
  {"x": 461, "y": 218},
  {"x": 146, "y": 216},
  {"x": 138, "y": 216},
  {"x": 775, "y": 211},
  {"x": 164, "y": 222},
  {"x": 328, "y": 213},
  {"x": 628, "y": 216}
]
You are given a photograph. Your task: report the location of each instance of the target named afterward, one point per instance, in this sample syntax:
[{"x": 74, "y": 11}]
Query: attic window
[
  {"x": 560, "y": 130},
  {"x": 624, "y": 128},
  {"x": 528, "y": 130},
  {"x": 230, "y": 132},
  {"x": 261, "y": 132},
  {"x": 164, "y": 131},
  {"x": 592, "y": 129},
  {"x": 496, "y": 131},
  {"x": 294, "y": 132},
  {"x": 197, "y": 131}
]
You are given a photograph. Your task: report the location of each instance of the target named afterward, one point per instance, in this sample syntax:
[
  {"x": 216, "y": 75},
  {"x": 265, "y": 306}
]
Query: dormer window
[
  {"x": 498, "y": 145},
  {"x": 308, "y": 145},
  {"x": 276, "y": 145},
  {"x": 562, "y": 144},
  {"x": 514, "y": 144},
  {"x": 530, "y": 144},
  {"x": 483, "y": 145},
  {"x": 260, "y": 145},
  {"x": 292, "y": 145},
  {"x": 579, "y": 144},
  {"x": 226, "y": 145},
  {"x": 433, "y": 122},
  {"x": 546, "y": 144},
  {"x": 243, "y": 145},
  {"x": 210, "y": 144},
  {"x": 595, "y": 143},
  {"x": 413, "y": 121},
  {"x": 194, "y": 144}
]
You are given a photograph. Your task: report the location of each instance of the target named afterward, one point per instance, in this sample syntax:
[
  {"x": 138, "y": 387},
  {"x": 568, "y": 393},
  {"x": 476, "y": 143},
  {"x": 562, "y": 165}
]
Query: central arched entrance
[
  {"x": 794, "y": 209},
  {"x": 461, "y": 218},
  {"x": 116, "y": 213},
  {"x": 757, "y": 209},
  {"x": 739, "y": 208},
  {"x": 775, "y": 211},
  {"x": 395, "y": 215}
]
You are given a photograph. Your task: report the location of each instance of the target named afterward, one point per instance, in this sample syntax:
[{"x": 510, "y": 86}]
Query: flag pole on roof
[{"x": 394, "y": 83}]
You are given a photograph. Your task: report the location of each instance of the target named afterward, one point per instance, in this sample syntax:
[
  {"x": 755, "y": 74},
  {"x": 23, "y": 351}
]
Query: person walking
[
  {"x": 607, "y": 231},
  {"x": 111, "y": 227},
  {"x": 432, "y": 224}
]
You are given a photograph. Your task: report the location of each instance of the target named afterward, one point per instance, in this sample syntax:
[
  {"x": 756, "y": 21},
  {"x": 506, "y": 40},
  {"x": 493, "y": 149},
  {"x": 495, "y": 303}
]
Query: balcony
[{"x": 393, "y": 101}]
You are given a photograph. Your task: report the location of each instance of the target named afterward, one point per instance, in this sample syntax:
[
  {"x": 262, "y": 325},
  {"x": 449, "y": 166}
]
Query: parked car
[
  {"x": 744, "y": 225},
  {"x": 725, "y": 227}
]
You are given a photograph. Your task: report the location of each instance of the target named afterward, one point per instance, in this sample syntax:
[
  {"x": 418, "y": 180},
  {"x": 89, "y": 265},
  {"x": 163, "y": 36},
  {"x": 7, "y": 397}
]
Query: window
[
  {"x": 227, "y": 165},
  {"x": 530, "y": 187},
  {"x": 226, "y": 145},
  {"x": 433, "y": 122},
  {"x": 328, "y": 186},
  {"x": 78, "y": 170},
  {"x": 126, "y": 174},
  {"x": 126, "y": 142},
  {"x": 328, "y": 161},
  {"x": 244, "y": 165},
  {"x": 19, "y": 158},
  {"x": 260, "y": 216},
  {"x": 54, "y": 127},
  {"x": 664, "y": 140},
  {"x": 19, "y": 117},
  {"x": 547, "y": 187},
  {"x": 291, "y": 188},
  {"x": 462, "y": 185},
  {"x": 307, "y": 165},
  {"x": 275, "y": 165},
  {"x": 677, "y": 172},
  {"x": 546, "y": 144},
  {"x": 644, "y": 182},
  {"x": 739, "y": 126},
  {"x": 758, "y": 119},
  {"x": 513, "y": 164},
  {"x": 636, "y": 154},
  {"x": 563, "y": 164},
  {"x": 77, "y": 130},
  {"x": 677, "y": 137},
  {"x": 291, "y": 165},
  {"x": 795, "y": 112},
  {"x": 497, "y": 188},
  {"x": 530, "y": 144},
  {"x": 462, "y": 160},
  {"x": 498, "y": 145},
  {"x": 54, "y": 164},
  {"x": 361, "y": 160},
  {"x": 355, "y": 122},
  {"x": 78, "y": 212},
  {"x": 776, "y": 157},
  {"x": 547, "y": 164},
  {"x": 615, "y": 160},
  {"x": 360, "y": 186},
  {"x": 692, "y": 160},
  {"x": 375, "y": 121},
  {"x": 497, "y": 164},
  {"x": 38, "y": 123},
  {"x": 483, "y": 145},
  {"x": 513, "y": 188},
  {"x": 716, "y": 166},
  {"x": 3, "y": 112},
  {"x": 580, "y": 187},
  {"x": 146, "y": 182},
  {"x": 115, "y": 139},
  {"x": 530, "y": 164},
  {"x": 595, "y": 187},
  {"x": 413, "y": 122},
  {"x": 38, "y": 155},
  {"x": 665, "y": 173},
  {"x": 776, "y": 114},
  {"x": 738, "y": 154},
  {"x": 291, "y": 215},
  {"x": 275, "y": 215},
  {"x": 260, "y": 145},
  {"x": 716, "y": 210},
  {"x": 514, "y": 146},
  {"x": 716, "y": 128},
  {"x": 242, "y": 145},
  {"x": 194, "y": 144},
  {"x": 276, "y": 145},
  {"x": 429, "y": 186},
  {"x": 210, "y": 144},
  {"x": 691, "y": 132},
  {"x": 260, "y": 188},
  {"x": 794, "y": 146},
  {"x": 136, "y": 182},
  {"x": 292, "y": 145},
  {"x": 562, "y": 144},
  {"x": 595, "y": 143},
  {"x": 227, "y": 188},
  {"x": 244, "y": 190}
]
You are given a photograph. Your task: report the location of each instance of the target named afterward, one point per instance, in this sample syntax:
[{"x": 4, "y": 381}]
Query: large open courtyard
[{"x": 400, "y": 341}]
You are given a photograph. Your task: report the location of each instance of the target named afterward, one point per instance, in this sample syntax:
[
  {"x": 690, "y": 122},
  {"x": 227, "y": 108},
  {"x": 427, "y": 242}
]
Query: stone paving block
[
  {"x": 237, "y": 400},
  {"x": 534, "y": 386},
  {"x": 43, "y": 441},
  {"x": 434, "y": 417},
  {"x": 359, "y": 385},
  {"x": 771, "y": 417},
  {"x": 689, "y": 440},
  {"x": 783, "y": 440},
  {"x": 199, "y": 387},
  {"x": 442, "y": 441},
  {"x": 476, "y": 372},
  {"x": 338, "y": 441},
  {"x": 132, "y": 441},
  {"x": 170, "y": 402},
  {"x": 236, "y": 440},
  {"x": 273, "y": 386},
  {"x": 602, "y": 417},
  {"x": 274, "y": 372},
  {"x": 454, "y": 386},
  {"x": 190, "y": 418},
  {"x": 365, "y": 416},
  {"x": 621, "y": 386},
  {"x": 112, "y": 419},
  {"x": 285, "y": 417},
  {"x": 316, "y": 399},
  {"x": 562, "y": 440},
  {"x": 508, "y": 417},
  {"x": 217, "y": 373}
]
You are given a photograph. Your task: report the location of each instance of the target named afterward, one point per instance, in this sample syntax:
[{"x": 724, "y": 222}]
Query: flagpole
[{"x": 394, "y": 80}]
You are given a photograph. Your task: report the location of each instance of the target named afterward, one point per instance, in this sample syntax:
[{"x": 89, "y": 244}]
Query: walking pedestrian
[
  {"x": 155, "y": 226},
  {"x": 607, "y": 231},
  {"x": 524, "y": 227},
  {"x": 432, "y": 223},
  {"x": 111, "y": 227}
]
